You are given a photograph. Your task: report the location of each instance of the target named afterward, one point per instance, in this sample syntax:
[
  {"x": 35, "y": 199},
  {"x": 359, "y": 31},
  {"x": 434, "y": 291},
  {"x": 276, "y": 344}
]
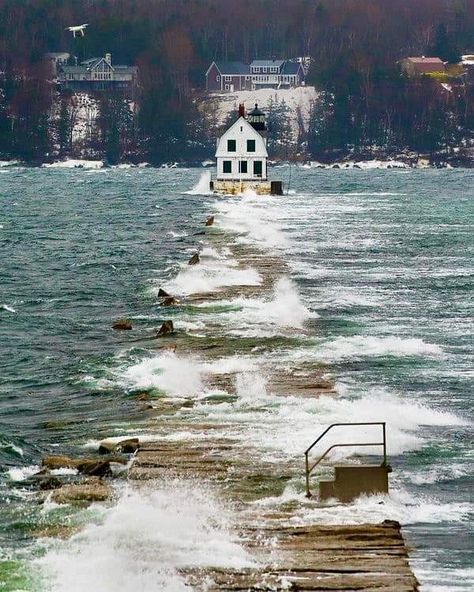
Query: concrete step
[{"x": 351, "y": 481}]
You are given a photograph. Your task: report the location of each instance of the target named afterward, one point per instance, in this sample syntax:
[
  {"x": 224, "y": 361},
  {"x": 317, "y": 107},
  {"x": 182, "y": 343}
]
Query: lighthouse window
[
  {"x": 257, "y": 168},
  {"x": 227, "y": 166},
  {"x": 231, "y": 145},
  {"x": 250, "y": 145},
  {"x": 243, "y": 166}
]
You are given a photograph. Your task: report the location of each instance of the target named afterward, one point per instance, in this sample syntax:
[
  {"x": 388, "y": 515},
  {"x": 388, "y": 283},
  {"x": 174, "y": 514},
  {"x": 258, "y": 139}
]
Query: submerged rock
[
  {"x": 163, "y": 294},
  {"x": 195, "y": 259},
  {"x": 122, "y": 325},
  {"x": 166, "y": 329}
]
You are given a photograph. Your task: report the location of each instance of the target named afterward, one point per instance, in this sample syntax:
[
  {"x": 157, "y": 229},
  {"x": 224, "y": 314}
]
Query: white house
[{"x": 241, "y": 153}]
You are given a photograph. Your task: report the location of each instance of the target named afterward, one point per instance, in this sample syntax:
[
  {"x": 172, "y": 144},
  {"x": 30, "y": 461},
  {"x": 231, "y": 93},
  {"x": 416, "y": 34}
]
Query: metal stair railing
[{"x": 309, "y": 469}]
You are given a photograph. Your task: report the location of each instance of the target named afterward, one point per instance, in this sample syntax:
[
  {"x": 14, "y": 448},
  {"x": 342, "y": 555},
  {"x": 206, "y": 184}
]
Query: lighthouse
[{"x": 241, "y": 157}]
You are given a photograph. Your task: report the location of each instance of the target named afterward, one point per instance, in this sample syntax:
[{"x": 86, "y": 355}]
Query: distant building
[
  {"x": 97, "y": 74},
  {"x": 235, "y": 76},
  {"x": 57, "y": 58},
  {"x": 228, "y": 76},
  {"x": 419, "y": 66}
]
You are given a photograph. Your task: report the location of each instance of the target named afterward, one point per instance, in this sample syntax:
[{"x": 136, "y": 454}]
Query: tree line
[{"x": 354, "y": 44}]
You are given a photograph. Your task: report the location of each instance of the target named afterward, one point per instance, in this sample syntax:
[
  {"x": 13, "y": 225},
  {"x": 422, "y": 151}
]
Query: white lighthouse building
[{"x": 242, "y": 155}]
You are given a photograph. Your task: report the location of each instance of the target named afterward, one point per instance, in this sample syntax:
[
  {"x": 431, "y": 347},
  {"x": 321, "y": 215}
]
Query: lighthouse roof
[{"x": 256, "y": 111}]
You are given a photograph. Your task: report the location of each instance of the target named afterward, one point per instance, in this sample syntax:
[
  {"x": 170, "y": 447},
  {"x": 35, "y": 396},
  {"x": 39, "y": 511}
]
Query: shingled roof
[{"x": 232, "y": 68}]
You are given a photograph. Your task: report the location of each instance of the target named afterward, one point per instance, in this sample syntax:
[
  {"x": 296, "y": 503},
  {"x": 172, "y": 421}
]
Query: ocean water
[{"x": 376, "y": 288}]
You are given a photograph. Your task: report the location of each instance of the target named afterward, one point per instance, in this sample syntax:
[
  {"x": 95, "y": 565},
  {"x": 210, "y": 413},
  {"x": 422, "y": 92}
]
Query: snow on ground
[{"x": 297, "y": 99}]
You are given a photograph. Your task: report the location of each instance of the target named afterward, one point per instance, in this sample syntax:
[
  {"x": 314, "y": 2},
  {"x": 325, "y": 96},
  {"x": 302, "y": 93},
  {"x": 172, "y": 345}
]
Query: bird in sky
[{"x": 77, "y": 30}]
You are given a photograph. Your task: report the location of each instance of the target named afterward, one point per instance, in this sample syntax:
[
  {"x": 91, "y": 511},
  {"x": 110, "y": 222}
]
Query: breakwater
[{"x": 341, "y": 283}]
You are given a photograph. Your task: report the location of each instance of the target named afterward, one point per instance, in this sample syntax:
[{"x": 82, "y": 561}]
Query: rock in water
[
  {"x": 210, "y": 221},
  {"x": 122, "y": 325},
  {"x": 163, "y": 294},
  {"x": 59, "y": 462},
  {"x": 93, "y": 490},
  {"x": 194, "y": 259},
  {"x": 97, "y": 468},
  {"x": 169, "y": 301},
  {"x": 127, "y": 446},
  {"x": 166, "y": 329}
]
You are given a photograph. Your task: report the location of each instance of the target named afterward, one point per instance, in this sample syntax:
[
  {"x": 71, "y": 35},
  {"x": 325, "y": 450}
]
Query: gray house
[
  {"x": 235, "y": 76},
  {"x": 97, "y": 74}
]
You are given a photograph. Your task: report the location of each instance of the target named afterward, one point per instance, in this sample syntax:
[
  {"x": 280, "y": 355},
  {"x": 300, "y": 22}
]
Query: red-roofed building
[{"x": 418, "y": 66}]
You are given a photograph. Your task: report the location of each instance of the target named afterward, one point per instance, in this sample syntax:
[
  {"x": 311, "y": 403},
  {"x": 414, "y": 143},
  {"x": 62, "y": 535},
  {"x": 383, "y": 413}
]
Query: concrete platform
[{"x": 366, "y": 557}]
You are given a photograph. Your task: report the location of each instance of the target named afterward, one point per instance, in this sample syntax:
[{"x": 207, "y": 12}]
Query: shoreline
[{"x": 389, "y": 163}]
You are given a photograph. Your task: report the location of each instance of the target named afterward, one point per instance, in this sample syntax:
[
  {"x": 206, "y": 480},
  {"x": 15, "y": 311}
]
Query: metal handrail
[{"x": 367, "y": 423}]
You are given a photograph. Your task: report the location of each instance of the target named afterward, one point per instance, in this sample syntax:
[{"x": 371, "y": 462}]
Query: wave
[
  {"x": 361, "y": 346},
  {"x": 270, "y": 420},
  {"x": 75, "y": 164},
  {"x": 144, "y": 540},
  {"x": 180, "y": 376},
  {"x": 265, "y": 317},
  {"x": 399, "y": 505},
  {"x": 217, "y": 269}
]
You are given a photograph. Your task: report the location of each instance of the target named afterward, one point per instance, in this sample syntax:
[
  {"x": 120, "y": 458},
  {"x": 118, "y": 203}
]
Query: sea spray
[
  {"x": 217, "y": 269},
  {"x": 142, "y": 542},
  {"x": 202, "y": 187}
]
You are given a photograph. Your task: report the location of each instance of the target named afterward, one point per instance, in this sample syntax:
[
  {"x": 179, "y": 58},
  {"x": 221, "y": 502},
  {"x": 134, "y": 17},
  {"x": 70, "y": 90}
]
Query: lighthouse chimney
[{"x": 241, "y": 110}]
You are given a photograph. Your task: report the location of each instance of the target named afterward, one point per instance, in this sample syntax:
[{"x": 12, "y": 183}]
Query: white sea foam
[
  {"x": 75, "y": 164},
  {"x": 142, "y": 542},
  {"x": 217, "y": 269},
  {"x": 361, "y": 346},
  {"x": 22, "y": 473},
  {"x": 399, "y": 505},
  {"x": 181, "y": 376},
  {"x": 173, "y": 375},
  {"x": 8, "y": 308},
  {"x": 271, "y": 421},
  {"x": 252, "y": 219}
]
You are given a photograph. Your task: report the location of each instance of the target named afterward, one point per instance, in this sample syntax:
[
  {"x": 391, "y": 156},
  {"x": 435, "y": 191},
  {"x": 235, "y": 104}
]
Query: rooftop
[{"x": 232, "y": 67}]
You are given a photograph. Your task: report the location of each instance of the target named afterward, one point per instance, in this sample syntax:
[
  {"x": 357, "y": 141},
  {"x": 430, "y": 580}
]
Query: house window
[
  {"x": 250, "y": 145},
  {"x": 243, "y": 166},
  {"x": 227, "y": 166},
  {"x": 257, "y": 168},
  {"x": 218, "y": 78},
  {"x": 227, "y": 87},
  {"x": 228, "y": 78},
  {"x": 231, "y": 145},
  {"x": 247, "y": 78}
]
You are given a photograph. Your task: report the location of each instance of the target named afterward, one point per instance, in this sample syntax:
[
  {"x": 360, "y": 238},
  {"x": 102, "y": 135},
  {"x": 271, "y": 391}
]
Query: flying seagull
[{"x": 78, "y": 30}]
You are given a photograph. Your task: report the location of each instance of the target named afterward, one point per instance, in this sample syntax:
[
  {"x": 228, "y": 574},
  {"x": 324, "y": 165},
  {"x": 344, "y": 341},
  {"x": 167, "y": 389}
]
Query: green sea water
[{"x": 378, "y": 289}]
